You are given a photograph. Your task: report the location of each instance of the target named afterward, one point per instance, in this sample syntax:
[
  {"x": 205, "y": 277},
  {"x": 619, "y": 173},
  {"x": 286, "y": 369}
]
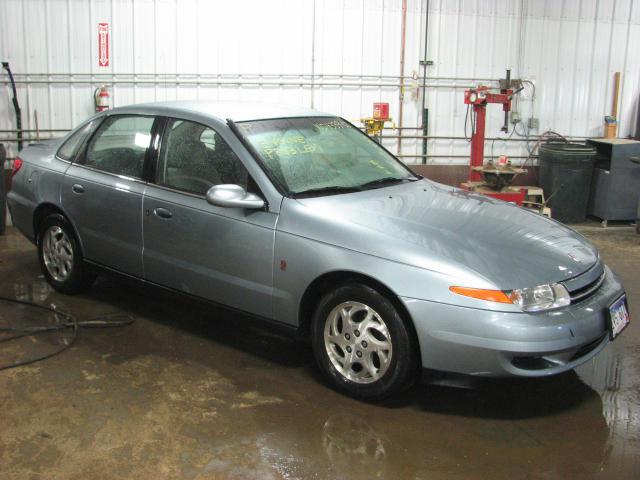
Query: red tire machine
[{"x": 492, "y": 179}]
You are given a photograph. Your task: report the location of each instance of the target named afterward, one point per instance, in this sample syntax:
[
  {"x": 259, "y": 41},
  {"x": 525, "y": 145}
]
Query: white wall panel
[{"x": 221, "y": 49}]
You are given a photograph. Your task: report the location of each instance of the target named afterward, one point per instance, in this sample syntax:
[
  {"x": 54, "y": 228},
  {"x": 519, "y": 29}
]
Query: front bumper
[{"x": 497, "y": 344}]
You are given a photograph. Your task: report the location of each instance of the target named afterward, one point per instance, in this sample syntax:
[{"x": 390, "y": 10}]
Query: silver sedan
[{"x": 298, "y": 218}]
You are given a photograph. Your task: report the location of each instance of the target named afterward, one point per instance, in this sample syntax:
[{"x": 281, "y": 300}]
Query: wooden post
[
  {"x": 616, "y": 93},
  {"x": 611, "y": 123}
]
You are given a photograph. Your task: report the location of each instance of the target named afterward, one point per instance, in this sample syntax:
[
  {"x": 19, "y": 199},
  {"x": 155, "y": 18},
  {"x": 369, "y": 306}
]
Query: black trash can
[{"x": 565, "y": 176}]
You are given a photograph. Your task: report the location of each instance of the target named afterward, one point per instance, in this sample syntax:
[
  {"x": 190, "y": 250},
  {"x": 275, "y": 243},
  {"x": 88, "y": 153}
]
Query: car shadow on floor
[
  {"x": 486, "y": 398},
  {"x": 504, "y": 398},
  {"x": 221, "y": 325}
]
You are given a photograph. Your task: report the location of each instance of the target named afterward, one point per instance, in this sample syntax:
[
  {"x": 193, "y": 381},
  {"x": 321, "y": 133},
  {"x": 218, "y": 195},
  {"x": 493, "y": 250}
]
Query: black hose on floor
[{"x": 101, "y": 321}]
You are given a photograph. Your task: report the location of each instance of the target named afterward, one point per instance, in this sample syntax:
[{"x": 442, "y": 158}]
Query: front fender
[{"x": 298, "y": 261}]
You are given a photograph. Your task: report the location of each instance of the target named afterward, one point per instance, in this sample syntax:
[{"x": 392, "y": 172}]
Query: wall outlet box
[
  {"x": 515, "y": 117},
  {"x": 533, "y": 123}
]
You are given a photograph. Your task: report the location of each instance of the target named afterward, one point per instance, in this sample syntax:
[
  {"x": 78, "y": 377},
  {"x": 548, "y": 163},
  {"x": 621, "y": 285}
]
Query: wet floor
[{"x": 189, "y": 392}]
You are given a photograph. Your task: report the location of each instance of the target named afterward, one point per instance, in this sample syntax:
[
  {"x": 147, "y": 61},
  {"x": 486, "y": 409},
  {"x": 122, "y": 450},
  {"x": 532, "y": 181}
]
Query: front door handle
[
  {"x": 162, "y": 212},
  {"x": 77, "y": 188}
]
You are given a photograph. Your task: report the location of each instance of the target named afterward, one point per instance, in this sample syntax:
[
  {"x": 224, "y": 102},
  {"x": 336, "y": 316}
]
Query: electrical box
[{"x": 533, "y": 123}]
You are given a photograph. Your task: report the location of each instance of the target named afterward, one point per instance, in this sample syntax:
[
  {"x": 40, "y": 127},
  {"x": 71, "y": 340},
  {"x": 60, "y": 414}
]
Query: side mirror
[{"x": 233, "y": 196}]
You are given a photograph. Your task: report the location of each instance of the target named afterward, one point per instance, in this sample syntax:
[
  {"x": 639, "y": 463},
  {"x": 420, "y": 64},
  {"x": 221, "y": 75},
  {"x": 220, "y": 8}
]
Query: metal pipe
[
  {"x": 429, "y": 137},
  {"x": 425, "y": 128},
  {"x": 25, "y": 139},
  {"x": 251, "y": 75},
  {"x": 425, "y": 112},
  {"x": 422, "y": 137},
  {"x": 41, "y": 130},
  {"x": 408, "y": 137},
  {"x": 313, "y": 51},
  {"x": 238, "y": 83},
  {"x": 16, "y": 105},
  {"x": 532, "y": 138},
  {"x": 505, "y": 127},
  {"x": 68, "y": 129},
  {"x": 417, "y": 155},
  {"x": 427, "y": 156},
  {"x": 403, "y": 42}
]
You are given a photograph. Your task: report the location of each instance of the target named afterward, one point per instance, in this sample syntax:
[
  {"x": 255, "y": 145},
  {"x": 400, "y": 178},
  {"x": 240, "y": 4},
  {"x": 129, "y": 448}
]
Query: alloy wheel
[
  {"x": 357, "y": 342},
  {"x": 57, "y": 252}
]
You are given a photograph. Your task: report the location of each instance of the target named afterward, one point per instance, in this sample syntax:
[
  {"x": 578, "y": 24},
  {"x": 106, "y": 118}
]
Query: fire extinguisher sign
[{"x": 103, "y": 44}]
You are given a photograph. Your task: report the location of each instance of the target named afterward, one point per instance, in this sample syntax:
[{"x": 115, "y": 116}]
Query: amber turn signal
[{"x": 481, "y": 294}]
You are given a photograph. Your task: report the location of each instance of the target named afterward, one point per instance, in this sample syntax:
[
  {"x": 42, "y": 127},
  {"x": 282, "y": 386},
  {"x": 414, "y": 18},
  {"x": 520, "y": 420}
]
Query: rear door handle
[
  {"x": 77, "y": 188},
  {"x": 162, "y": 212}
]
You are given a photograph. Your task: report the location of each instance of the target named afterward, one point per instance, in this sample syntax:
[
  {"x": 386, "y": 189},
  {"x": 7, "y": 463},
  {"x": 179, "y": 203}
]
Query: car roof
[{"x": 236, "y": 111}]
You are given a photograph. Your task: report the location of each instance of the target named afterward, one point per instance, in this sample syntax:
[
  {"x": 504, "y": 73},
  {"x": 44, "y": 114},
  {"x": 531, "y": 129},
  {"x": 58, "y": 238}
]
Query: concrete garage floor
[{"x": 189, "y": 392}]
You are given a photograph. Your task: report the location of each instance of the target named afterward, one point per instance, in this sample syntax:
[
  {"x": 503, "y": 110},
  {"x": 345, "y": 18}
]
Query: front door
[
  {"x": 102, "y": 193},
  {"x": 221, "y": 254}
]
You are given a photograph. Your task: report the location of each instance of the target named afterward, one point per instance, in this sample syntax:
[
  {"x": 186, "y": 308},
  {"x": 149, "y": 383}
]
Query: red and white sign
[{"x": 103, "y": 44}]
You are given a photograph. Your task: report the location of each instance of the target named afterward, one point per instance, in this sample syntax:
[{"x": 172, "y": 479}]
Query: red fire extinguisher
[{"x": 101, "y": 99}]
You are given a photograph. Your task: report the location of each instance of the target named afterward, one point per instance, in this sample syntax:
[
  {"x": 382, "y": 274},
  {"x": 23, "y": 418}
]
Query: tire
[
  {"x": 60, "y": 256},
  {"x": 338, "y": 325}
]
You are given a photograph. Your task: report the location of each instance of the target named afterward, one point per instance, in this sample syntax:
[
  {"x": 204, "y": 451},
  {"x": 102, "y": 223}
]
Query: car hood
[{"x": 447, "y": 230}]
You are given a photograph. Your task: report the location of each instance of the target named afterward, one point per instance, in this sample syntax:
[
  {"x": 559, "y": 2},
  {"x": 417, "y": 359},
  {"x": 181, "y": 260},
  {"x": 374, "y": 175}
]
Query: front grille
[{"x": 586, "y": 291}]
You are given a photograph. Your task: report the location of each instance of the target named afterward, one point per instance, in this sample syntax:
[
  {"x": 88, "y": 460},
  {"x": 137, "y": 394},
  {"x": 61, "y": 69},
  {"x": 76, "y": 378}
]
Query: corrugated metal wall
[{"x": 337, "y": 55}]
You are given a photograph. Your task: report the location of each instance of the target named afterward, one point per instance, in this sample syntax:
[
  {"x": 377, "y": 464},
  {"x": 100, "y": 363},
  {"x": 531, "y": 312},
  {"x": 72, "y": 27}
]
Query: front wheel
[{"x": 362, "y": 344}]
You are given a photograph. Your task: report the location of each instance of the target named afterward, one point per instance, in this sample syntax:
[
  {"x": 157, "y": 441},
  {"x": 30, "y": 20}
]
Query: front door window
[{"x": 194, "y": 158}]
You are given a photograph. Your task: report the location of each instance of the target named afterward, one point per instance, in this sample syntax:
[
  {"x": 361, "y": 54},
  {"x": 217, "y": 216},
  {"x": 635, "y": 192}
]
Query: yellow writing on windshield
[
  {"x": 286, "y": 147},
  {"x": 378, "y": 165}
]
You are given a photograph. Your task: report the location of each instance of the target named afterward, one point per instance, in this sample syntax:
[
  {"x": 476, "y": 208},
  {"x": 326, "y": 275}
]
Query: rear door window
[{"x": 120, "y": 145}]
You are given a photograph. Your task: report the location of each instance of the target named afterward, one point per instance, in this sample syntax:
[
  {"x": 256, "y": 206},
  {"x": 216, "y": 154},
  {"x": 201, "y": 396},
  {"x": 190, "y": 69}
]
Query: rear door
[
  {"x": 102, "y": 192},
  {"x": 221, "y": 254}
]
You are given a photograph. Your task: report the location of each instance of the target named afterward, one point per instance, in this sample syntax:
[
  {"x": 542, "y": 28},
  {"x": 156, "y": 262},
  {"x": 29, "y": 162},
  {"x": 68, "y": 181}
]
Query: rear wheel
[
  {"x": 362, "y": 344},
  {"x": 60, "y": 256}
]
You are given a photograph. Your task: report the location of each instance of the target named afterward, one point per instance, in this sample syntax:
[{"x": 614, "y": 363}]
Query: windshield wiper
[
  {"x": 384, "y": 181},
  {"x": 331, "y": 190}
]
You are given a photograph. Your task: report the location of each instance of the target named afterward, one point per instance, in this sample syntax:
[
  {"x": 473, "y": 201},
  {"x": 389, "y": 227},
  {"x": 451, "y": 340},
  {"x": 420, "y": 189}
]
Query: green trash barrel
[{"x": 565, "y": 176}]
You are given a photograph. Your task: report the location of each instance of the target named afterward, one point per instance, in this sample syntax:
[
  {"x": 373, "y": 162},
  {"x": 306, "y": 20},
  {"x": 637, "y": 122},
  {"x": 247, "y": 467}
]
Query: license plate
[{"x": 618, "y": 316}]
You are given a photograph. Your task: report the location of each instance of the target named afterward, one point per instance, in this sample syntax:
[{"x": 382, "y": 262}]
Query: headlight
[
  {"x": 536, "y": 299},
  {"x": 542, "y": 297}
]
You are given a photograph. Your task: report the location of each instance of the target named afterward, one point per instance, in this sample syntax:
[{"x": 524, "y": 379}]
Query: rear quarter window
[{"x": 72, "y": 145}]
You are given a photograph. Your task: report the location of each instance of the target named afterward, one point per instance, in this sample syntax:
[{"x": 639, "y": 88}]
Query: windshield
[{"x": 322, "y": 155}]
